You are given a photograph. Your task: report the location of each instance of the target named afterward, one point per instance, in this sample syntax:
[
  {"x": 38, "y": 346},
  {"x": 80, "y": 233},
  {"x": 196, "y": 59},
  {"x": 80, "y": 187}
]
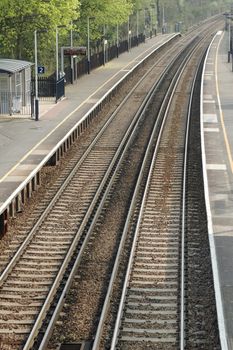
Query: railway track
[
  {"x": 149, "y": 310},
  {"x": 38, "y": 276},
  {"x": 152, "y": 310}
]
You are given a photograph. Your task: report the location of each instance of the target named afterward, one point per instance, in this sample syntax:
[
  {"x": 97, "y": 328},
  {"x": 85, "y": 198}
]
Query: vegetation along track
[{"x": 28, "y": 285}]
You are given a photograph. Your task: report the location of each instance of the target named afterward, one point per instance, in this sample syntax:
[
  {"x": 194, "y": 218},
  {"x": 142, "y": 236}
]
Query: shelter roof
[{"x": 12, "y": 66}]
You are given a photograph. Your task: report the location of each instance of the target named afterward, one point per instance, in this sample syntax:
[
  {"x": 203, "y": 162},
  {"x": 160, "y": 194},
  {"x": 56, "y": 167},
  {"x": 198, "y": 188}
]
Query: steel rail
[{"x": 183, "y": 224}]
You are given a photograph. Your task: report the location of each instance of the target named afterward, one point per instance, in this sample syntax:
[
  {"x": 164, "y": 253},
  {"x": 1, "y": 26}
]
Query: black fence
[{"x": 47, "y": 87}]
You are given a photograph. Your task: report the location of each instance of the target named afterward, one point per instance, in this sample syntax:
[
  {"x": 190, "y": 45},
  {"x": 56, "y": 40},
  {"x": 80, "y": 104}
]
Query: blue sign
[{"x": 41, "y": 69}]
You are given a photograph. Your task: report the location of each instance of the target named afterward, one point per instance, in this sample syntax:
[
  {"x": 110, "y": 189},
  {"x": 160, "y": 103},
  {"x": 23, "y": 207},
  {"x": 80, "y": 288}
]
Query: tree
[
  {"x": 106, "y": 13},
  {"x": 20, "y": 18}
]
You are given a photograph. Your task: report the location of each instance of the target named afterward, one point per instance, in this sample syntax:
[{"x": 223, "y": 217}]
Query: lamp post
[
  {"x": 72, "y": 59},
  {"x": 152, "y": 17},
  {"x": 137, "y": 29},
  {"x": 117, "y": 37},
  {"x": 129, "y": 35},
  {"x": 36, "y": 79},
  {"x": 36, "y": 73},
  {"x": 163, "y": 23},
  {"x": 57, "y": 54},
  {"x": 145, "y": 20},
  {"x": 104, "y": 44},
  {"x": 88, "y": 44}
]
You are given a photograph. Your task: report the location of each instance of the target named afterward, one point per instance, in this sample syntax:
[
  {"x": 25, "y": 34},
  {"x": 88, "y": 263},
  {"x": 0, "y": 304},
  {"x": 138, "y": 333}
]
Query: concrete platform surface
[{"x": 217, "y": 139}]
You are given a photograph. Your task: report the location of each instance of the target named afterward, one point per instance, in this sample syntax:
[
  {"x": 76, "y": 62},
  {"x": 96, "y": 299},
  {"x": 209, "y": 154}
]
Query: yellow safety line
[
  {"x": 68, "y": 116},
  {"x": 220, "y": 108}
]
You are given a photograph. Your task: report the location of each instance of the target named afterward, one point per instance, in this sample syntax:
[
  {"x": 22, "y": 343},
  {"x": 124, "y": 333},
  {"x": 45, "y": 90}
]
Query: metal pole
[
  {"x": 71, "y": 57},
  {"x": 88, "y": 46},
  {"x": 163, "y": 23},
  {"x": 128, "y": 33},
  {"x": 56, "y": 53},
  {"x": 137, "y": 28},
  {"x": 36, "y": 79},
  {"x": 71, "y": 35},
  {"x": 229, "y": 42},
  {"x": 151, "y": 22},
  {"x": 62, "y": 59},
  {"x": 104, "y": 46},
  {"x": 117, "y": 40},
  {"x": 145, "y": 22}
]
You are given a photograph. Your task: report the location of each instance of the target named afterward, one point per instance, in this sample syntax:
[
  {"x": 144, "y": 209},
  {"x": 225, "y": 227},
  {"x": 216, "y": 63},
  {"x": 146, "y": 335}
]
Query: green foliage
[
  {"x": 102, "y": 14},
  {"x": 20, "y": 18}
]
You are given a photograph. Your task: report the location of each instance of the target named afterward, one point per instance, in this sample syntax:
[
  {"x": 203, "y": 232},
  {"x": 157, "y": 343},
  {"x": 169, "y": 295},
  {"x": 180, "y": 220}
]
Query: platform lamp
[
  {"x": 152, "y": 7},
  {"x": 117, "y": 40},
  {"x": 71, "y": 45},
  {"x": 104, "y": 43},
  {"x": 137, "y": 30},
  {"x": 36, "y": 73},
  {"x": 57, "y": 55},
  {"x": 129, "y": 34},
  {"x": 145, "y": 19},
  {"x": 88, "y": 44}
]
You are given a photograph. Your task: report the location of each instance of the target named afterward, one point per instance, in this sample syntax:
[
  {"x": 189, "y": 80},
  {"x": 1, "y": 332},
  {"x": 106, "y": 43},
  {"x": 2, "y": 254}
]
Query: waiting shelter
[{"x": 15, "y": 86}]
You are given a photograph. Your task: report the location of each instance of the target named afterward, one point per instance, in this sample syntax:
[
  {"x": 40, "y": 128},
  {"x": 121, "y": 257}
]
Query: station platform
[
  {"x": 24, "y": 142},
  {"x": 217, "y": 149}
]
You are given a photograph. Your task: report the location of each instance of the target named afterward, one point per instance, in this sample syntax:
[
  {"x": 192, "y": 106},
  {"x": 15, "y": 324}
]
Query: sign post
[{"x": 70, "y": 52}]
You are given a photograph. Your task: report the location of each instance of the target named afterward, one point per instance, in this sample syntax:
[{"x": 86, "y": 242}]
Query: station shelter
[{"x": 15, "y": 87}]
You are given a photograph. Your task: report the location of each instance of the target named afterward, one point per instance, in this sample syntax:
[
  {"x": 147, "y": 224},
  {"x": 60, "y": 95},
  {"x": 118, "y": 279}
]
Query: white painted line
[
  {"x": 208, "y": 101},
  {"x": 209, "y": 73},
  {"x": 211, "y": 129},
  {"x": 210, "y": 118},
  {"x": 216, "y": 167}
]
